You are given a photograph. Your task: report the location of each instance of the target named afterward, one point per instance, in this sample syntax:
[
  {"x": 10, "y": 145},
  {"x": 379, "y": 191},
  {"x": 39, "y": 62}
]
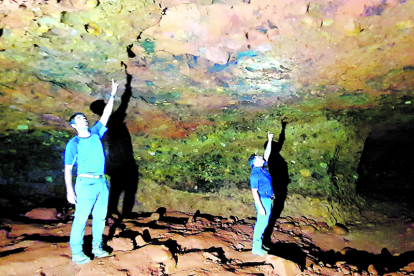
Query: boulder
[
  {"x": 372, "y": 270},
  {"x": 155, "y": 216},
  {"x": 191, "y": 220},
  {"x": 282, "y": 220},
  {"x": 283, "y": 267},
  {"x": 42, "y": 213},
  {"x": 121, "y": 244},
  {"x": 305, "y": 173},
  {"x": 3, "y": 237},
  {"x": 211, "y": 257},
  {"x": 340, "y": 229},
  {"x": 322, "y": 225},
  {"x": 160, "y": 254},
  {"x": 287, "y": 226},
  {"x": 140, "y": 241},
  {"x": 308, "y": 229}
]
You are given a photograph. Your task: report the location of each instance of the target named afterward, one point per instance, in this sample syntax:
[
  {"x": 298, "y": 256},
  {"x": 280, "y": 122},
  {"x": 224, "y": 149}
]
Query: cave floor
[{"x": 176, "y": 243}]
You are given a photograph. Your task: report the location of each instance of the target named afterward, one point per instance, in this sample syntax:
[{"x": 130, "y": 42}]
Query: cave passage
[{"x": 386, "y": 168}]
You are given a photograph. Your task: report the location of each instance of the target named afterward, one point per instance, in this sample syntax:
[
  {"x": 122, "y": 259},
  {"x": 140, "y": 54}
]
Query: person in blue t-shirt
[
  {"x": 262, "y": 190},
  {"x": 91, "y": 193}
]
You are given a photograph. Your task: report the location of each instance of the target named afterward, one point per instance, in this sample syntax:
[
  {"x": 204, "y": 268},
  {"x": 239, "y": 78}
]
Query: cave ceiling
[{"x": 192, "y": 59}]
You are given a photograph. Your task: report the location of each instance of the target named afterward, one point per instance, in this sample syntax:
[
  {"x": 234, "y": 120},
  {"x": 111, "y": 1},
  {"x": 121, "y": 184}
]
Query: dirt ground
[{"x": 167, "y": 242}]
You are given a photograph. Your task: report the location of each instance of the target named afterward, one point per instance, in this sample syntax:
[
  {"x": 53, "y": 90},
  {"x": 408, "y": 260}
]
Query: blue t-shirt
[
  {"x": 87, "y": 153},
  {"x": 260, "y": 179}
]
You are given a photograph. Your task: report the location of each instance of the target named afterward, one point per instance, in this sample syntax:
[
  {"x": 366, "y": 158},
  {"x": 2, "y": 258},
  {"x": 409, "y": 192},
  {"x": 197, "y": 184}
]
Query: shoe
[
  {"x": 100, "y": 253},
  {"x": 259, "y": 252},
  {"x": 80, "y": 258}
]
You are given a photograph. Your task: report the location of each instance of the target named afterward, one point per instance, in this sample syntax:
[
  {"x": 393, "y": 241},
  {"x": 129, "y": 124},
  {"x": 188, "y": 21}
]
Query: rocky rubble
[{"x": 177, "y": 243}]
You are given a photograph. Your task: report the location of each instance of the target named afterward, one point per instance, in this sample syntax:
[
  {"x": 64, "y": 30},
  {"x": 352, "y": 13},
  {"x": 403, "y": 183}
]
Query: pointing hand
[
  {"x": 114, "y": 87},
  {"x": 269, "y": 136}
]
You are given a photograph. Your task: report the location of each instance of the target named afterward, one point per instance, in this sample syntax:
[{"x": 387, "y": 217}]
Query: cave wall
[{"x": 208, "y": 79}]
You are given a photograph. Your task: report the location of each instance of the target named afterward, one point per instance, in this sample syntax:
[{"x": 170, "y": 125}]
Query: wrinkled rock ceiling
[{"x": 203, "y": 55}]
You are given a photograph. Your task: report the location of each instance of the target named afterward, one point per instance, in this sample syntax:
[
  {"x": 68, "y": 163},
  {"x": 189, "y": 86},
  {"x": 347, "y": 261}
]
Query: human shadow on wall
[
  {"x": 120, "y": 162},
  {"x": 278, "y": 170}
]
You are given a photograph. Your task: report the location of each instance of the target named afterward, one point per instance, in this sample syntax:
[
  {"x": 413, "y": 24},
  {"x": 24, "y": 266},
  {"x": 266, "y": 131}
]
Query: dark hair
[
  {"x": 98, "y": 107},
  {"x": 251, "y": 159},
  {"x": 72, "y": 118}
]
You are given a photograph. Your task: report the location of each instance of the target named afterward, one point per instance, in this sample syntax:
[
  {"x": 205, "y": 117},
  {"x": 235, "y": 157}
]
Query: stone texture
[
  {"x": 287, "y": 226},
  {"x": 305, "y": 173},
  {"x": 308, "y": 229},
  {"x": 372, "y": 270},
  {"x": 3, "y": 237},
  {"x": 211, "y": 257},
  {"x": 283, "y": 267},
  {"x": 155, "y": 216},
  {"x": 42, "y": 213},
  {"x": 121, "y": 244},
  {"x": 340, "y": 229},
  {"x": 140, "y": 241}
]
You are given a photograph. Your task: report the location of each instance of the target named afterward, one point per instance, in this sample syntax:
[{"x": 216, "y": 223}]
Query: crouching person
[
  {"x": 91, "y": 190},
  {"x": 262, "y": 190}
]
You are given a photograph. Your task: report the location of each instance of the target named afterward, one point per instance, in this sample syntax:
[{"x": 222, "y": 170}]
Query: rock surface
[
  {"x": 205, "y": 248},
  {"x": 42, "y": 213}
]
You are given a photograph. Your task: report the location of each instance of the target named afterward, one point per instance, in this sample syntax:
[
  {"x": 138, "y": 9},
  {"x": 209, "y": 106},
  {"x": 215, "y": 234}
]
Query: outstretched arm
[
  {"x": 268, "y": 149},
  {"x": 109, "y": 106}
]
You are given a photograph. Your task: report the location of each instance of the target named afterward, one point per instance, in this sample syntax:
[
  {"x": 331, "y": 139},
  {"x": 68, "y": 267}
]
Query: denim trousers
[
  {"x": 91, "y": 197},
  {"x": 261, "y": 222}
]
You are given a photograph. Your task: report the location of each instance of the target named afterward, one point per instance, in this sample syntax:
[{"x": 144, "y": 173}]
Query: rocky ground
[{"x": 168, "y": 242}]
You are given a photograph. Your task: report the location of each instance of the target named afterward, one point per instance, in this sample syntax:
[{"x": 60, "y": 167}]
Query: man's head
[
  {"x": 78, "y": 121},
  {"x": 256, "y": 161}
]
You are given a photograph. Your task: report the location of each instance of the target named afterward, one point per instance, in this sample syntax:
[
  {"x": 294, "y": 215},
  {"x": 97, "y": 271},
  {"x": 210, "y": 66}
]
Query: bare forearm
[
  {"x": 68, "y": 179},
  {"x": 70, "y": 193},
  {"x": 268, "y": 150},
  {"x": 107, "y": 111},
  {"x": 256, "y": 198}
]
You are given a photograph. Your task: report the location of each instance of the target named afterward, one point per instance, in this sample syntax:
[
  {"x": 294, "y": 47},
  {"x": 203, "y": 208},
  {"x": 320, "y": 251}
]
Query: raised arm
[
  {"x": 109, "y": 106},
  {"x": 268, "y": 149}
]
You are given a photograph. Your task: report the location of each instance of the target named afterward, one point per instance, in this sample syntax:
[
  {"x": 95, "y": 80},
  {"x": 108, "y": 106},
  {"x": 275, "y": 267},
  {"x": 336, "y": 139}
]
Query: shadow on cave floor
[
  {"x": 384, "y": 262},
  {"x": 289, "y": 251},
  {"x": 12, "y": 251}
]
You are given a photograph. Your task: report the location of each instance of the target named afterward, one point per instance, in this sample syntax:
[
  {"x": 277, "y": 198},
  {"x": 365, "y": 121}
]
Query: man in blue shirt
[
  {"x": 91, "y": 190},
  {"x": 262, "y": 190}
]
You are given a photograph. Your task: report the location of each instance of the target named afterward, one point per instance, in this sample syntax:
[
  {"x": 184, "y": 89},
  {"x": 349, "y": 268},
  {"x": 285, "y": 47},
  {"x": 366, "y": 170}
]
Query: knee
[
  {"x": 99, "y": 213},
  {"x": 81, "y": 215}
]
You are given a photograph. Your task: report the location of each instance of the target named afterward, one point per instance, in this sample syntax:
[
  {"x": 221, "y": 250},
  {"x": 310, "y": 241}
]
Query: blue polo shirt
[
  {"x": 87, "y": 153},
  {"x": 260, "y": 179}
]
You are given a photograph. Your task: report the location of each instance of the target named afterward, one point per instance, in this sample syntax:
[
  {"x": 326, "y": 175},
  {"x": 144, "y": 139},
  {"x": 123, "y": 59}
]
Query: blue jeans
[
  {"x": 261, "y": 223},
  {"x": 91, "y": 197}
]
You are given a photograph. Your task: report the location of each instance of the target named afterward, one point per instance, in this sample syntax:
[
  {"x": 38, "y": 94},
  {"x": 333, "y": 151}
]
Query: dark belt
[
  {"x": 269, "y": 197},
  {"x": 91, "y": 176},
  {"x": 272, "y": 197}
]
